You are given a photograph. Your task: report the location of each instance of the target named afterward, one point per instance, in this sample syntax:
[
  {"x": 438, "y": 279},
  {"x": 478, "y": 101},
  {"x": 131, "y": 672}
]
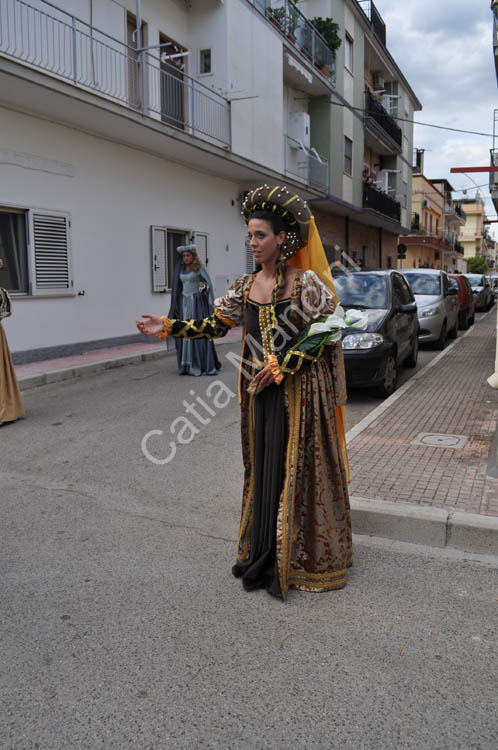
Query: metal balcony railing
[
  {"x": 292, "y": 24},
  {"x": 376, "y": 20},
  {"x": 459, "y": 211},
  {"x": 416, "y": 222},
  {"x": 306, "y": 164},
  {"x": 493, "y": 176},
  {"x": 459, "y": 248},
  {"x": 50, "y": 39},
  {"x": 376, "y": 111},
  {"x": 381, "y": 202}
]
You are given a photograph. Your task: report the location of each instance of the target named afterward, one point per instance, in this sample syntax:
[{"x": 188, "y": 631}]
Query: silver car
[{"x": 437, "y": 305}]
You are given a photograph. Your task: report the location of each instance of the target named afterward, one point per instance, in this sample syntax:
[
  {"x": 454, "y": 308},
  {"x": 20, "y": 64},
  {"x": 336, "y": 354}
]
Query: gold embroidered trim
[
  {"x": 285, "y": 518},
  {"x": 275, "y": 369},
  {"x": 246, "y": 520},
  {"x": 166, "y": 328}
]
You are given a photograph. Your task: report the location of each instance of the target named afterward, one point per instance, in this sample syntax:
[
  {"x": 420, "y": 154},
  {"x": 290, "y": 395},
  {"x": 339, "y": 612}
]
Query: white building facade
[{"x": 116, "y": 150}]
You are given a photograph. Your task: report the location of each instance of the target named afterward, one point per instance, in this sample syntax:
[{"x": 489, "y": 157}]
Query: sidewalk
[{"x": 449, "y": 398}]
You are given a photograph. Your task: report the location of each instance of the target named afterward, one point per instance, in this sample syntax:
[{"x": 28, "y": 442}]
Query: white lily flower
[
  {"x": 334, "y": 336},
  {"x": 319, "y": 328},
  {"x": 356, "y": 319}
]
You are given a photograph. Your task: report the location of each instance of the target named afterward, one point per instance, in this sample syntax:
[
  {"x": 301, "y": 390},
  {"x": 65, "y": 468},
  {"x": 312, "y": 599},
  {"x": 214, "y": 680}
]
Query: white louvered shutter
[
  {"x": 159, "y": 245},
  {"x": 200, "y": 239},
  {"x": 250, "y": 262},
  {"x": 51, "y": 254}
]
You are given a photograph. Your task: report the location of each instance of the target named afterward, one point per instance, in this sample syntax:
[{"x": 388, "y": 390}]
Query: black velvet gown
[{"x": 270, "y": 439}]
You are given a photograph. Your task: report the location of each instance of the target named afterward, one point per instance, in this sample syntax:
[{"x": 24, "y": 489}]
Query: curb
[
  {"x": 434, "y": 527},
  {"x": 93, "y": 368}
]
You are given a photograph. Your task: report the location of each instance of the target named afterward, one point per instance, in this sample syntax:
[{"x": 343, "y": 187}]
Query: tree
[{"x": 477, "y": 264}]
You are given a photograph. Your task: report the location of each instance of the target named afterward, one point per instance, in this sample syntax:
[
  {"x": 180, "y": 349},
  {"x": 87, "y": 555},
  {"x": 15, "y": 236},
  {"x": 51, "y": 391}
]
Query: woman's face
[
  {"x": 265, "y": 245},
  {"x": 187, "y": 258}
]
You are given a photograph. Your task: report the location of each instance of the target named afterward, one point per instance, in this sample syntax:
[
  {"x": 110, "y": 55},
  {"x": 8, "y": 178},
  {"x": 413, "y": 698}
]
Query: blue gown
[{"x": 198, "y": 356}]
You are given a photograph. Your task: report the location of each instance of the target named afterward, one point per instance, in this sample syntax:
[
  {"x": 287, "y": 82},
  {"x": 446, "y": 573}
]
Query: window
[
  {"x": 430, "y": 224},
  {"x": 404, "y": 199},
  {"x": 205, "y": 61},
  {"x": 164, "y": 243},
  {"x": 35, "y": 249},
  {"x": 437, "y": 226},
  {"x": 401, "y": 291},
  {"x": 348, "y": 156},
  {"x": 348, "y": 53}
]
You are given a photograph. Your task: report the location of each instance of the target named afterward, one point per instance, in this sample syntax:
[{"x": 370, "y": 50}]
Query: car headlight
[
  {"x": 428, "y": 312},
  {"x": 362, "y": 340}
]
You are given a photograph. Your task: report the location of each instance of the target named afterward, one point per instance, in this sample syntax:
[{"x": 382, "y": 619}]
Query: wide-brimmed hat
[
  {"x": 287, "y": 204},
  {"x": 186, "y": 249}
]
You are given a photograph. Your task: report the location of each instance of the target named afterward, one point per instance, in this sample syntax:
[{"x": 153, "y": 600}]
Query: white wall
[
  {"x": 114, "y": 196},
  {"x": 255, "y": 65}
]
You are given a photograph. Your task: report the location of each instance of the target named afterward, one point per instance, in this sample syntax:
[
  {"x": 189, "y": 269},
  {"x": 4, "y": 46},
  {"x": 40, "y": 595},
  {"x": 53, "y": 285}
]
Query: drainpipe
[
  {"x": 380, "y": 247},
  {"x": 346, "y": 234}
]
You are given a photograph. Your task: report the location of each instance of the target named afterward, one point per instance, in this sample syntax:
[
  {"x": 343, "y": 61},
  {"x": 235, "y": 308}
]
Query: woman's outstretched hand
[{"x": 150, "y": 324}]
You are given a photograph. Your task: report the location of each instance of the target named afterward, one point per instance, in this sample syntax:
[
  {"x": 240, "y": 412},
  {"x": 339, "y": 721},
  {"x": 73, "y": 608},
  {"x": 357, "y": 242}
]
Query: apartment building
[
  {"x": 475, "y": 236},
  {"x": 129, "y": 127},
  {"x": 437, "y": 220}
]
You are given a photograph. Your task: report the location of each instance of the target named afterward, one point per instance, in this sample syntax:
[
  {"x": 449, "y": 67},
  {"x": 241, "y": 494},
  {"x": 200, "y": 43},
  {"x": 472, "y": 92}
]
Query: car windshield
[
  {"x": 475, "y": 280},
  {"x": 362, "y": 290},
  {"x": 423, "y": 283}
]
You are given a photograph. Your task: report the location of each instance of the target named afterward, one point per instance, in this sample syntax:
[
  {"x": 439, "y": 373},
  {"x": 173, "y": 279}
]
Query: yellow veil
[{"x": 312, "y": 257}]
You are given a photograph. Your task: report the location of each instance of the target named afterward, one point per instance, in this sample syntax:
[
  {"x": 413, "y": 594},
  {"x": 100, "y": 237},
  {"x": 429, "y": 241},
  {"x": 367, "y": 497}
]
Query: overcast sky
[{"x": 445, "y": 50}]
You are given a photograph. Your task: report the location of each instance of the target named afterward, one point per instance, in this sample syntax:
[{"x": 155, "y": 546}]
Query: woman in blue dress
[{"x": 192, "y": 297}]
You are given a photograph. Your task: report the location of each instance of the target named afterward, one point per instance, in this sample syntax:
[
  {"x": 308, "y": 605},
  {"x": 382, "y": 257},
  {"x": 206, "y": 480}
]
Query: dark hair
[{"x": 278, "y": 225}]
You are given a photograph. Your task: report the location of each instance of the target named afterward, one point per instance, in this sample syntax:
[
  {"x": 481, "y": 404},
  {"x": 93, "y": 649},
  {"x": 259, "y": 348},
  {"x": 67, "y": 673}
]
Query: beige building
[
  {"x": 434, "y": 241},
  {"x": 474, "y": 236}
]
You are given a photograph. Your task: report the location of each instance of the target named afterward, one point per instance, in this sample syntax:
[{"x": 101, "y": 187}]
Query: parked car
[
  {"x": 437, "y": 303},
  {"x": 493, "y": 282},
  {"x": 372, "y": 357},
  {"x": 481, "y": 288},
  {"x": 466, "y": 302}
]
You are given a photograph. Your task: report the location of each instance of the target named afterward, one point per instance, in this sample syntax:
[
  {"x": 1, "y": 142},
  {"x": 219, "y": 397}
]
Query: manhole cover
[{"x": 440, "y": 440}]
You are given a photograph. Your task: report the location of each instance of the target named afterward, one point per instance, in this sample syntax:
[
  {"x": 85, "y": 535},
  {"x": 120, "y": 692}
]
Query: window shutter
[
  {"x": 250, "y": 262},
  {"x": 200, "y": 240},
  {"x": 50, "y": 257},
  {"x": 159, "y": 246}
]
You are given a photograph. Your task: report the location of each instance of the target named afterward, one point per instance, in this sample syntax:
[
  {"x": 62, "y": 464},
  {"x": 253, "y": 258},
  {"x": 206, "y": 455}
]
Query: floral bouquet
[{"x": 327, "y": 330}]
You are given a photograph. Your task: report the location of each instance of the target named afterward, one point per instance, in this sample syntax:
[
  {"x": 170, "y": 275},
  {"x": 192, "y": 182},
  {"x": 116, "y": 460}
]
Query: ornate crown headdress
[{"x": 281, "y": 201}]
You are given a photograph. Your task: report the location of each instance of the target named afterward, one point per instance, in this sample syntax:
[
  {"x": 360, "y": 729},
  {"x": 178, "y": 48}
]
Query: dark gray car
[{"x": 483, "y": 294}]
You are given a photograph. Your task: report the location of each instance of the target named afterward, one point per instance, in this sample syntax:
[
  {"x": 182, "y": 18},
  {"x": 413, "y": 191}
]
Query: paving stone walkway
[{"x": 450, "y": 398}]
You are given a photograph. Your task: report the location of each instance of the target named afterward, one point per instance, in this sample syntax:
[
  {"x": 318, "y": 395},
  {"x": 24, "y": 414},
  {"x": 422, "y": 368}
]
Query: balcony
[
  {"x": 459, "y": 248},
  {"x": 375, "y": 19},
  {"x": 306, "y": 164},
  {"x": 415, "y": 222},
  {"x": 300, "y": 32},
  {"x": 375, "y": 112},
  {"x": 381, "y": 202},
  {"x": 49, "y": 39}
]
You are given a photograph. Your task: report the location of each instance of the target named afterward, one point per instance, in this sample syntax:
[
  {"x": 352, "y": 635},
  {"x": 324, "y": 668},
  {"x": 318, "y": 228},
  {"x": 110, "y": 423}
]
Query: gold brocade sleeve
[
  {"x": 213, "y": 327},
  {"x": 230, "y": 306}
]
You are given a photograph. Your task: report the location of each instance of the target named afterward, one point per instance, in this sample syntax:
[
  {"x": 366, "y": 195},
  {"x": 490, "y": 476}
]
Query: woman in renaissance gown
[
  {"x": 295, "y": 528},
  {"x": 11, "y": 405},
  {"x": 192, "y": 297}
]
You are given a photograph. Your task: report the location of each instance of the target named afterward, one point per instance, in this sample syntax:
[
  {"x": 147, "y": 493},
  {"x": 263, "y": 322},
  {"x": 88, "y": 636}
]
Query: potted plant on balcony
[
  {"x": 277, "y": 17},
  {"x": 329, "y": 29},
  {"x": 292, "y": 21}
]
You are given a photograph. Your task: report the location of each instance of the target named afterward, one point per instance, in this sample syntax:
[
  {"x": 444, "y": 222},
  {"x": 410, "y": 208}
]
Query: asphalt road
[{"x": 122, "y": 626}]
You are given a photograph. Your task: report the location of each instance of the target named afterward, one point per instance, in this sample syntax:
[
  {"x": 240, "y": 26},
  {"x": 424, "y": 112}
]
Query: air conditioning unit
[
  {"x": 425, "y": 203},
  {"x": 299, "y": 128},
  {"x": 378, "y": 80}
]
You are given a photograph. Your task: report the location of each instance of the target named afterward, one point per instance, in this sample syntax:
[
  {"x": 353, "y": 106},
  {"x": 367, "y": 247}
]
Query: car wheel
[
  {"x": 490, "y": 305},
  {"x": 388, "y": 384},
  {"x": 454, "y": 331},
  {"x": 411, "y": 360},
  {"x": 472, "y": 320},
  {"x": 465, "y": 322},
  {"x": 441, "y": 342}
]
